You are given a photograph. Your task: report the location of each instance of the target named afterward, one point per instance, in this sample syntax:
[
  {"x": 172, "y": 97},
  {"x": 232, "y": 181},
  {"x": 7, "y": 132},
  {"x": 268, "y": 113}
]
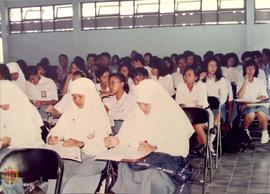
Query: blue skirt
[{"x": 264, "y": 109}]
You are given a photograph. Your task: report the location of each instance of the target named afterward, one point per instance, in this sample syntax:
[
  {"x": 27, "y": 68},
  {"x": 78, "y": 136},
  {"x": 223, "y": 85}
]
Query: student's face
[
  {"x": 91, "y": 61},
  {"x": 105, "y": 61},
  {"x": 147, "y": 58},
  {"x": 41, "y": 71},
  {"x": 79, "y": 100},
  {"x": 190, "y": 60},
  {"x": 146, "y": 108},
  {"x": 115, "y": 60},
  {"x": 189, "y": 77},
  {"x": 182, "y": 64},
  {"x": 34, "y": 79},
  {"x": 137, "y": 79},
  {"x": 73, "y": 68},
  {"x": 265, "y": 58},
  {"x": 136, "y": 64},
  {"x": 124, "y": 70},
  {"x": 104, "y": 79},
  {"x": 154, "y": 72},
  {"x": 250, "y": 71},
  {"x": 173, "y": 59},
  {"x": 212, "y": 67},
  {"x": 115, "y": 85},
  {"x": 231, "y": 62},
  {"x": 63, "y": 61},
  {"x": 14, "y": 76}
]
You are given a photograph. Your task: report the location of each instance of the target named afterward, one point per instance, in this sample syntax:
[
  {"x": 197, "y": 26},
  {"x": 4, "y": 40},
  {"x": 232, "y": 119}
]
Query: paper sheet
[
  {"x": 71, "y": 153},
  {"x": 247, "y": 101},
  {"x": 120, "y": 153}
]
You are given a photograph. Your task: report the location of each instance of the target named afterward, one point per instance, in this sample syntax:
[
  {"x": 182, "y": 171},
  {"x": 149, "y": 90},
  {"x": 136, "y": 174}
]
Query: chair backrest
[
  {"x": 35, "y": 164},
  {"x": 196, "y": 115},
  {"x": 213, "y": 102}
]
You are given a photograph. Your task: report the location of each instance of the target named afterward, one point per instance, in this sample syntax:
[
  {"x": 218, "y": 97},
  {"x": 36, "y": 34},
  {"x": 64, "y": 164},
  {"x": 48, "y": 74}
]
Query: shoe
[{"x": 265, "y": 137}]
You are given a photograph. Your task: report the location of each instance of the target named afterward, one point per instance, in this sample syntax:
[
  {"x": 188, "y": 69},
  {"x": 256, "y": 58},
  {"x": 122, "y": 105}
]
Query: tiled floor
[{"x": 241, "y": 173}]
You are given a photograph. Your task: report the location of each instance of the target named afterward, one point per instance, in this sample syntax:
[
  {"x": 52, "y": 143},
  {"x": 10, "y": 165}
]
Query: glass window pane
[
  {"x": 47, "y": 12},
  {"x": 187, "y": 5},
  {"x": 88, "y": 9},
  {"x": 15, "y": 14},
  {"x": 146, "y": 6},
  {"x": 63, "y": 11},
  {"x": 126, "y": 7},
  {"x": 262, "y": 4},
  {"x": 209, "y": 5},
  {"x": 30, "y": 13},
  {"x": 232, "y": 4},
  {"x": 107, "y": 8},
  {"x": 166, "y": 6},
  {"x": 1, "y": 51}
]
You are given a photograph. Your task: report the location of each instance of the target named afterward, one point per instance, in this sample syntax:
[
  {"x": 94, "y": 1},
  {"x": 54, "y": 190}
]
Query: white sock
[
  {"x": 246, "y": 130},
  {"x": 264, "y": 131}
]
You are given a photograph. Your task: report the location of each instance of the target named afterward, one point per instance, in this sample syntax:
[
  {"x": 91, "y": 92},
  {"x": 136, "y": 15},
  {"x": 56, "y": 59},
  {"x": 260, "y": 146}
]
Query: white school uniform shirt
[
  {"x": 232, "y": 73},
  {"x": 261, "y": 76},
  {"x": 98, "y": 88},
  {"x": 219, "y": 89},
  {"x": 131, "y": 85},
  {"x": 166, "y": 82},
  {"x": 197, "y": 96},
  {"x": 254, "y": 89},
  {"x": 177, "y": 78},
  {"x": 119, "y": 109},
  {"x": 45, "y": 90}
]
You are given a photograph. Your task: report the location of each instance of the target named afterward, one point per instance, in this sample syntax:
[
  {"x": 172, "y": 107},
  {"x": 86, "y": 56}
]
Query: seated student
[
  {"x": 19, "y": 121},
  {"x": 173, "y": 58},
  {"x": 41, "y": 91},
  {"x": 147, "y": 58},
  {"x": 190, "y": 57},
  {"x": 91, "y": 66},
  {"x": 156, "y": 124},
  {"x": 102, "y": 85},
  {"x": 190, "y": 93},
  {"x": 17, "y": 75},
  {"x": 178, "y": 75},
  {"x": 138, "y": 61},
  {"x": 232, "y": 68},
  {"x": 4, "y": 72},
  {"x": 24, "y": 67},
  {"x": 126, "y": 70},
  {"x": 62, "y": 68},
  {"x": 120, "y": 104},
  {"x": 160, "y": 72},
  {"x": 114, "y": 66},
  {"x": 84, "y": 125},
  {"x": 105, "y": 59},
  {"x": 139, "y": 74},
  {"x": 253, "y": 89},
  {"x": 64, "y": 103}
]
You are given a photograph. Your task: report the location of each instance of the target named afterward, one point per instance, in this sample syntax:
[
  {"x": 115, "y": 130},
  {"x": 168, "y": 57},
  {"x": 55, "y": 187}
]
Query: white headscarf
[
  {"x": 89, "y": 124},
  {"x": 166, "y": 126},
  {"x": 21, "y": 122},
  {"x": 21, "y": 81}
]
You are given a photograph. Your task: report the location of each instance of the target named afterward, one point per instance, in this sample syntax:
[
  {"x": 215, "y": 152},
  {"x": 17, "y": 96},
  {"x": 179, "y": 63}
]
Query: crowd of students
[{"x": 135, "y": 101}]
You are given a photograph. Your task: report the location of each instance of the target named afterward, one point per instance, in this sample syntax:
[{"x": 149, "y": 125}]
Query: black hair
[
  {"x": 266, "y": 52},
  {"x": 160, "y": 65},
  {"x": 24, "y": 67},
  {"x": 250, "y": 63},
  {"x": 121, "y": 78},
  {"x": 116, "y": 56},
  {"x": 174, "y": 55},
  {"x": 221, "y": 58},
  {"x": 4, "y": 71},
  {"x": 149, "y": 54},
  {"x": 171, "y": 66},
  {"x": 94, "y": 56},
  {"x": 229, "y": 56},
  {"x": 141, "y": 71},
  {"x": 105, "y": 54},
  {"x": 45, "y": 61},
  {"x": 257, "y": 53},
  {"x": 195, "y": 70},
  {"x": 128, "y": 66},
  {"x": 181, "y": 56},
  {"x": 198, "y": 60},
  {"x": 101, "y": 70},
  {"x": 80, "y": 73},
  {"x": 125, "y": 60},
  {"x": 188, "y": 53},
  {"x": 63, "y": 55},
  {"x": 44, "y": 66},
  {"x": 79, "y": 61},
  {"x": 32, "y": 71},
  {"x": 246, "y": 55},
  {"x": 81, "y": 66},
  {"x": 208, "y": 54},
  {"x": 218, "y": 73},
  {"x": 138, "y": 57}
]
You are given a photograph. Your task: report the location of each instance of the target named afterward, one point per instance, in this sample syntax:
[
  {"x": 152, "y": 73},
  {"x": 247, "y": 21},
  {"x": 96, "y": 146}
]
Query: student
[
  {"x": 102, "y": 85},
  {"x": 126, "y": 70},
  {"x": 114, "y": 67},
  {"x": 42, "y": 69},
  {"x": 41, "y": 91},
  {"x": 189, "y": 57},
  {"x": 139, "y": 74},
  {"x": 84, "y": 125},
  {"x": 17, "y": 76},
  {"x": 174, "y": 57},
  {"x": 232, "y": 68},
  {"x": 24, "y": 67},
  {"x": 253, "y": 89},
  {"x": 91, "y": 66},
  {"x": 178, "y": 75},
  {"x": 62, "y": 68},
  {"x": 147, "y": 58},
  {"x": 4, "y": 72},
  {"x": 190, "y": 93},
  {"x": 105, "y": 59},
  {"x": 120, "y": 104},
  {"x": 19, "y": 121},
  {"x": 158, "y": 125},
  {"x": 138, "y": 61},
  {"x": 160, "y": 72}
]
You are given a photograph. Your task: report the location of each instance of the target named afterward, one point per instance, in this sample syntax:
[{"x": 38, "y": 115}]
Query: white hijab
[
  {"x": 166, "y": 126},
  {"x": 89, "y": 124},
  {"x": 21, "y": 81},
  {"x": 21, "y": 122}
]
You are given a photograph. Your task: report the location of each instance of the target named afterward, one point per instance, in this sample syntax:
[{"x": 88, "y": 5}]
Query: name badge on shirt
[{"x": 43, "y": 94}]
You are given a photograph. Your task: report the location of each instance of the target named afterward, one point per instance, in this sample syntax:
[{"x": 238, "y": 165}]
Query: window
[
  {"x": 41, "y": 19},
  {"x": 159, "y": 13},
  {"x": 1, "y": 51},
  {"x": 262, "y": 11}
]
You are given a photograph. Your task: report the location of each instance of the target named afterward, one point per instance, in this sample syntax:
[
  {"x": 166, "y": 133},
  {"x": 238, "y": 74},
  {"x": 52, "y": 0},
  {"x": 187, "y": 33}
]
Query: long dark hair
[
  {"x": 218, "y": 73},
  {"x": 4, "y": 71},
  {"x": 121, "y": 78}
]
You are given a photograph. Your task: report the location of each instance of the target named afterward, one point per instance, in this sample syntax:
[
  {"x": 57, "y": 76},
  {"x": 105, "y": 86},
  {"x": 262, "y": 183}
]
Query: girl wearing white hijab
[
  {"x": 19, "y": 120},
  {"x": 157, "y": 124},
  {"x": 17, "y": 75},
  {"x": 84, "y": 125}
]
